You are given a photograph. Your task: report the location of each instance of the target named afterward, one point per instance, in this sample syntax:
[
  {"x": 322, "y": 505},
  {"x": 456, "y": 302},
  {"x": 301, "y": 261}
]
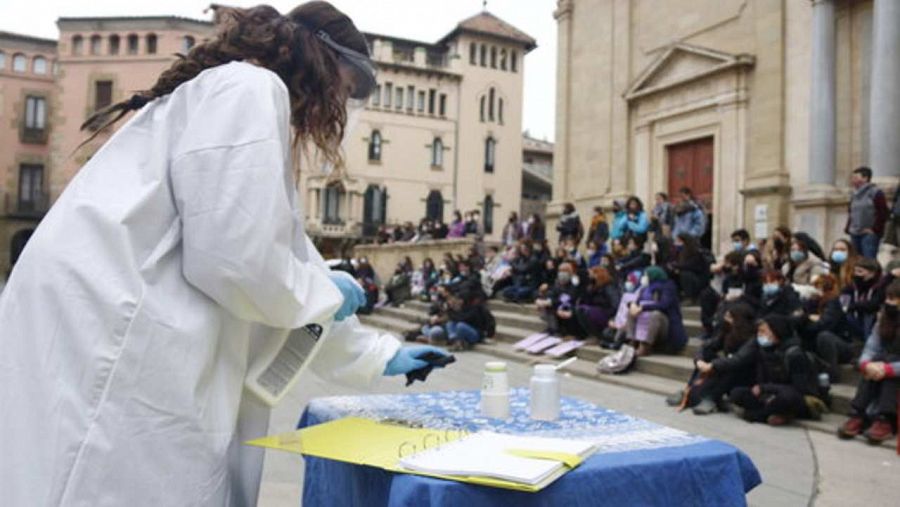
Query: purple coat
[
  {"x": 662, "y": 295},
  {"x": 457, "y": 230}
]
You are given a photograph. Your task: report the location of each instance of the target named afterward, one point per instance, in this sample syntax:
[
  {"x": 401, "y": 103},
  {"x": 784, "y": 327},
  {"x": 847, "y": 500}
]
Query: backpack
[
  {"x": 618, "y": 362},
  {"x": 819, "y": 401}
]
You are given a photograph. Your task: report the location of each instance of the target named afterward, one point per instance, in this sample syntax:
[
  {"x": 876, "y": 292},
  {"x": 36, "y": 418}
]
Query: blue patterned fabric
[{"x": 637, "y": 462}]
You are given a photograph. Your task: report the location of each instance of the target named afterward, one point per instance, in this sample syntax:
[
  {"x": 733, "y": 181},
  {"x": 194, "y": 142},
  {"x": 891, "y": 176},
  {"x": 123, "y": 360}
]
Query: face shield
[{"x": 361, "y": 73}]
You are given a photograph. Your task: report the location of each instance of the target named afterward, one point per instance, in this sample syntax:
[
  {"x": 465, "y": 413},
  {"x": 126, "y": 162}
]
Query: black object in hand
[{"x": 434, "y": 360}]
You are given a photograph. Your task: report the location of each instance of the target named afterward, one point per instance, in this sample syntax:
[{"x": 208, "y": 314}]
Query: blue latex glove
[
  {"x": 404, "y": 361},
  {"x": 354, "y": 295}
]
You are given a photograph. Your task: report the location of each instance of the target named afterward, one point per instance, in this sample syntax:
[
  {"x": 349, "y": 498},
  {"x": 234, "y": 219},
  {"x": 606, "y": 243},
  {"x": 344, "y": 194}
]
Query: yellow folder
[{"x": 382, "y": 444}]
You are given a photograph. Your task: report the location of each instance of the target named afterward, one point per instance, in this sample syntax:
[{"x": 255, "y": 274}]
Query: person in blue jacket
[
  {"x": 690, "y": 218},
  {"x": 618, "y": 222},
  {"x": 636, "y": 222}
]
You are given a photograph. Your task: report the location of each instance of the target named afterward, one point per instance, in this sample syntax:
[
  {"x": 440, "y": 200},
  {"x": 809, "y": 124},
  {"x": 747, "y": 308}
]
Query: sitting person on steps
[{"x": 875, "y": 403}]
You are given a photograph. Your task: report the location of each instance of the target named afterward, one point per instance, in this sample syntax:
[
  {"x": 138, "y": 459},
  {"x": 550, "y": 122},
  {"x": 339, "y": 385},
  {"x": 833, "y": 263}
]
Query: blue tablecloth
[{"x": 637, "y": 462}]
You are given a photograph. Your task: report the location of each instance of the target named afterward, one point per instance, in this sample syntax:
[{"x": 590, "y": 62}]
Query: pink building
[
  {"x": 48, "y": 89},
  {"x": 27, "y": 100}
]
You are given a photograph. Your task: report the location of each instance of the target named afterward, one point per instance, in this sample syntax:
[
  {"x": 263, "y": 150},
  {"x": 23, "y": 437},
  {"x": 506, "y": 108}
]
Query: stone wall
[{"x": 384, "y": 258}]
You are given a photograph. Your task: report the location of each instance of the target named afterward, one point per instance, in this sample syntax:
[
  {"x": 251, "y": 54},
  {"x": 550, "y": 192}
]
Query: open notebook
[{"x": 533, "y": 461}]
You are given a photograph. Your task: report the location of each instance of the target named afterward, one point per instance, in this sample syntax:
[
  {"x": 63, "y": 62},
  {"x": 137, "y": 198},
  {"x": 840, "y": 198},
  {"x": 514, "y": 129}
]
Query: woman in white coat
[{"x": 172, "y": 257}]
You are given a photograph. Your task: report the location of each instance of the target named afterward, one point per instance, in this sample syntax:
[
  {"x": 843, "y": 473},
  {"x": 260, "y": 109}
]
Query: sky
[{"x": 425, "y": 20}]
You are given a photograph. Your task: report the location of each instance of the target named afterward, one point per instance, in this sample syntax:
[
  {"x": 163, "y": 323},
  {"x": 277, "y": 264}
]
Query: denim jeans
[
  {"x": 462, "y": 331},
  {"x": 434, "y": 333},
  {"x": 866, "y": 244}
]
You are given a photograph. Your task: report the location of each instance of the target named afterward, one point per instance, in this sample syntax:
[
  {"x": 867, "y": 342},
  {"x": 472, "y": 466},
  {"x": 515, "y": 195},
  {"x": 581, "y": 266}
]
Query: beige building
[
  {"x": 27, "y": 91},
  {"x": 537, "y": 176},
  {"x": 442, "y": 132},
  {"x": 764, "y": 107}
]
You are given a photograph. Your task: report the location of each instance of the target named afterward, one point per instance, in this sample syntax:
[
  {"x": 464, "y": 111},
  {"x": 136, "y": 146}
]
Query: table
[{"x": 637, "y": 463}]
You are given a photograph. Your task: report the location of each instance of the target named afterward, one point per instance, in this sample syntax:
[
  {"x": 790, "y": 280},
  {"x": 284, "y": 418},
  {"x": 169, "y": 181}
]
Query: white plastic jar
[
  {"x": 545, "y": 393},
  {"x": 495, "y": 390}
]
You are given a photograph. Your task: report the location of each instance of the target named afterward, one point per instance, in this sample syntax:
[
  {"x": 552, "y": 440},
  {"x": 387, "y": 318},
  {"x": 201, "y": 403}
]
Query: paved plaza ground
[{"x": 798, "y": 466}]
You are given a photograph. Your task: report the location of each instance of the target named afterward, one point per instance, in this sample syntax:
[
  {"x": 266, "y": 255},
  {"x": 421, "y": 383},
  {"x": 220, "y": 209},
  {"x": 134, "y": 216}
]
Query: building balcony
[
  {"x": 26, "y": 209},
  {"x": 333, "y": 228}
]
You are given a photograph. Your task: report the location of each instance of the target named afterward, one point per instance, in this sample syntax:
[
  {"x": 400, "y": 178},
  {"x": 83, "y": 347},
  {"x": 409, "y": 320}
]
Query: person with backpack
[
  {"x": 723, "y": 363},
  {"x": 784, "y": 377},
  {"x": 875, "y": 403}
]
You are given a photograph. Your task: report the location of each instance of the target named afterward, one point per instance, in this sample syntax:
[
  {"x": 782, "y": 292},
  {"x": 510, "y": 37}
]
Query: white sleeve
[
  {"x": 354, "y": 354},
  {"x": 230, "y": 188}
]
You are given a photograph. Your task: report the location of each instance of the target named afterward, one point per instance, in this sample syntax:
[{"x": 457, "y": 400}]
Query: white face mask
[{"x": 645, "y": 281}]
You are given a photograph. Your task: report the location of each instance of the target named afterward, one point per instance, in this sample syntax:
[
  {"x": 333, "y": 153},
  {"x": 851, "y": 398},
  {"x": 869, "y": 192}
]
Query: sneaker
[
  {"x": 674, "y": 399},
  {"x": 705, "y": 407},
  {"x": 879, "y": 431},
  {"x": 776, "y": 420},
  {"x": 851, "y": 428}
]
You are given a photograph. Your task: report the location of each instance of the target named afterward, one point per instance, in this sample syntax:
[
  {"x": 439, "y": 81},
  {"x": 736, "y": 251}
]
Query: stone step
[
  {"x": 671, "y": 368},
  {"x": 531, "y": 320},
  {"x": 415, "y": 312}
]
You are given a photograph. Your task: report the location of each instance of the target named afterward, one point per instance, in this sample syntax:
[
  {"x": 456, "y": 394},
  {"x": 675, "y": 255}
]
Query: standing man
[
  {"x": 868, "y": 212},
  {"x": 690, "y": 218}
]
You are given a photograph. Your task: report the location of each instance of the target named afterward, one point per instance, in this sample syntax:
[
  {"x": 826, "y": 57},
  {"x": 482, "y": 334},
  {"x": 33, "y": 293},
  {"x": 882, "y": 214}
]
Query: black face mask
[
  {"x": 891, "y": 311},
  {"x": 860, "y": 281},
  {"x": 779, "y": 244}
]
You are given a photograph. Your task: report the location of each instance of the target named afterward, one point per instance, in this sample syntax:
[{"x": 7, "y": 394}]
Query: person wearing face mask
[
  {"x": 842, "y": 260},
  {"x": 803, "y": 266},
  {"x": 778, "y": 296},
  {"x": 512, "y": 231},
  {"x": 880, "y": 367},
  {"x": 556, "y": 306},
  {"x": 636, "y": 221},
  {"x": 784, "y": 376},
  {"x": 711, "y": 300},
  {"x": 655, "y": 321},
  {"x": 825, "y": 330},
  {"x": 863, "y": 298},
  {"x": 723, "y": 363}
]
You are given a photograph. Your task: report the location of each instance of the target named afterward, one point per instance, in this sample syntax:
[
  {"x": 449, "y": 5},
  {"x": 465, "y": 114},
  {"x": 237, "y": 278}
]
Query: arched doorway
[
  {"x": 17, "y": 244},
  {"x": 434, "y": 206}
]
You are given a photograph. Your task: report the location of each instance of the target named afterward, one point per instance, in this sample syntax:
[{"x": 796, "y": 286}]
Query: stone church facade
[{"x": 764, "y": 107}]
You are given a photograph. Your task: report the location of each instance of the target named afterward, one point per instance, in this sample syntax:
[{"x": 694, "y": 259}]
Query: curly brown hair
[{"x": 286, "y": 45}]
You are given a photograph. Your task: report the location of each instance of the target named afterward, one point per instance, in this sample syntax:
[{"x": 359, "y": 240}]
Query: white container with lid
[
  {"x": 545, "y": 393},
  {"x": 495, "y": 390}
]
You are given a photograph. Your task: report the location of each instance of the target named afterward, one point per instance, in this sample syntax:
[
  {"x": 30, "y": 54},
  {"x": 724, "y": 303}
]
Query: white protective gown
[{"x": 129, "y": 321}]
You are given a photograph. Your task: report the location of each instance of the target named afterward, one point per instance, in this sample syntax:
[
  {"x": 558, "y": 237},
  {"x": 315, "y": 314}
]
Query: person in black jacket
[
  {"x": 778, "y": 296},
  {"x": 785, "y": 376},
  {"x": 526, "y": 272},
  {"x": 598, "y": 303},
  {"x": 635, "y": 259},
  {"x": 690, "y": 267},
  {"x": 570, "y": 225},
  {"x": 826, "y": 331},
  {"x": 723, "y": 363},
  {"x": 864, "y": 297},
  {"x": 467, "y": 320}
]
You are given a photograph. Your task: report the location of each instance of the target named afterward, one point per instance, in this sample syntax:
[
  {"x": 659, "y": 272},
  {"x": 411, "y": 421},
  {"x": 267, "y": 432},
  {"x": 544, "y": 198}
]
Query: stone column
[
  {"x": 884, "y": 109},
  {"x": 561, "y": 169},
  {"x": 822, "y": 131}
]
